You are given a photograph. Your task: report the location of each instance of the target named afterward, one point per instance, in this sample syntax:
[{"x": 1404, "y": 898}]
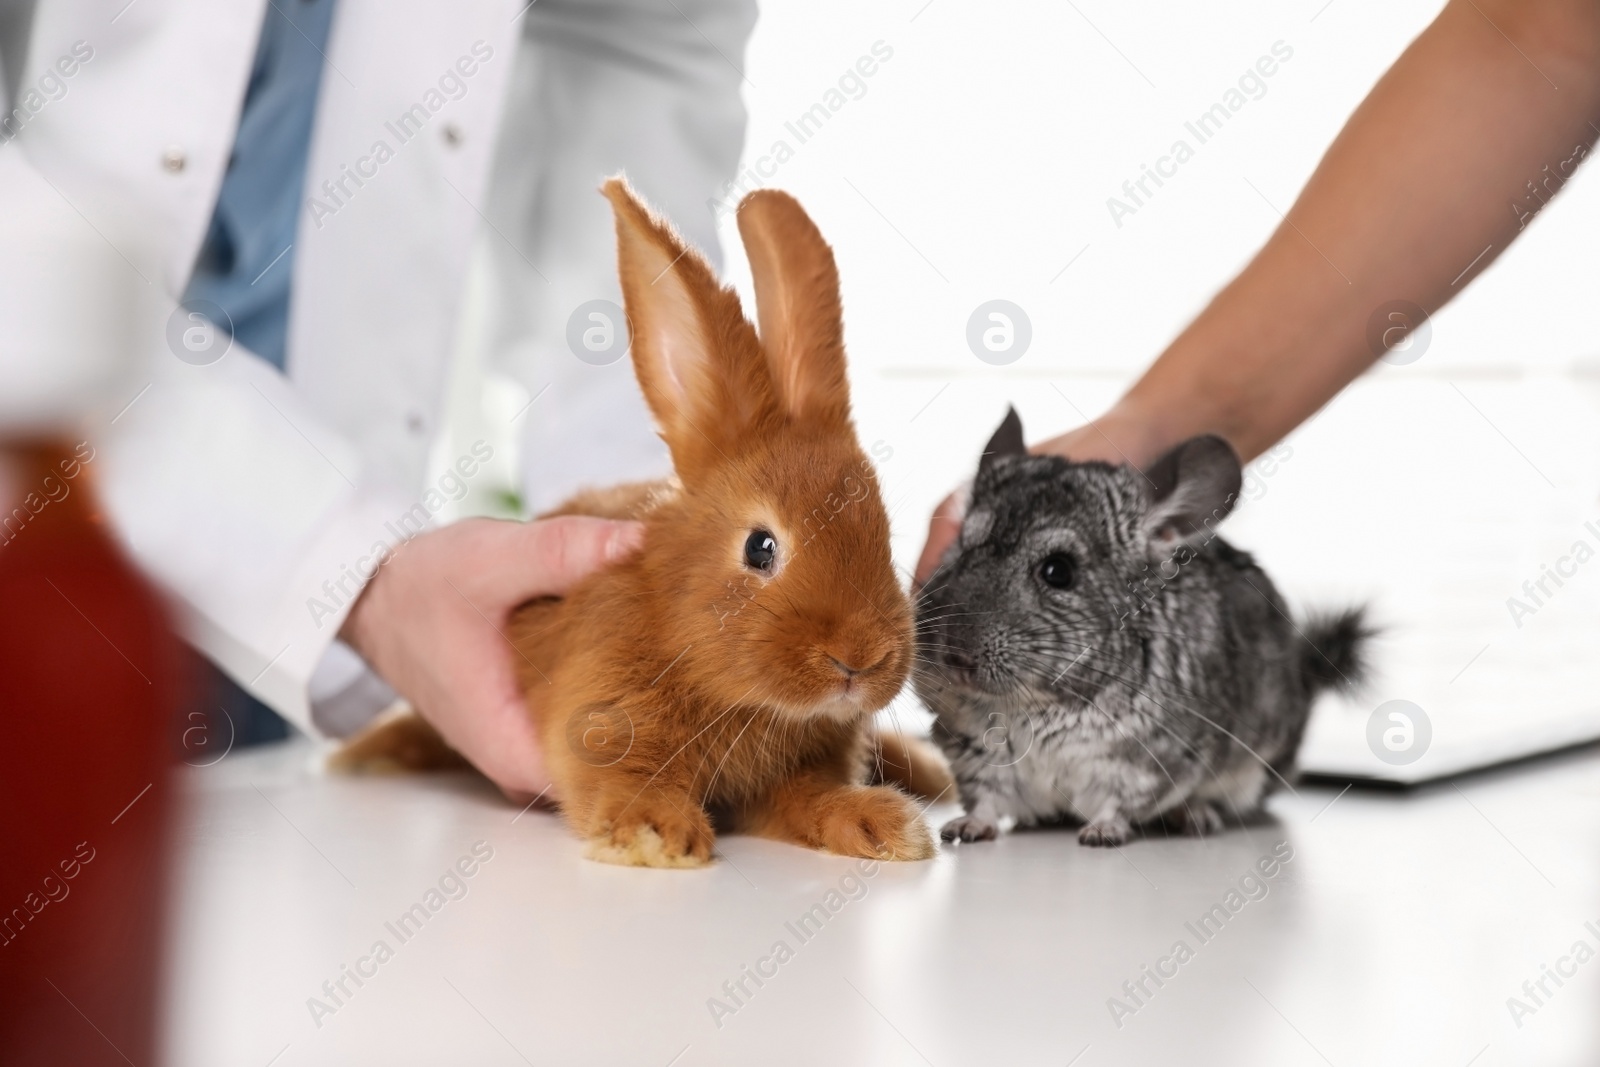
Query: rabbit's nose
[{"x": 858, "y": 663}]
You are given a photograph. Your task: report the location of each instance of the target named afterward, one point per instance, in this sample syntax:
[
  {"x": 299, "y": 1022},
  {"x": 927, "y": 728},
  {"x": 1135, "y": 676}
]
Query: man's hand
[{"x": 432, "y": 623}]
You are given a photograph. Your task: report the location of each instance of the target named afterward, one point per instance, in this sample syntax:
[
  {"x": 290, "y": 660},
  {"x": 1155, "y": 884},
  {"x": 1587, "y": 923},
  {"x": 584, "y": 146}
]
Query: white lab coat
[{"x": 247, "y": 493}]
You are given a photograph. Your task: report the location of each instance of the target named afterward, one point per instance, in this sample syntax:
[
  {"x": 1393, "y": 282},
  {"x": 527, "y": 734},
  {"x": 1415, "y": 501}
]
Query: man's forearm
[{"x": 1425, "y": 176}]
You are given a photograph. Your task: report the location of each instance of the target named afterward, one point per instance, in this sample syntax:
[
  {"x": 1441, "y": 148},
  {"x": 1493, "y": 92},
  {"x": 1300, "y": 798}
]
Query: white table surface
[{"x": 1395, "y": 935}]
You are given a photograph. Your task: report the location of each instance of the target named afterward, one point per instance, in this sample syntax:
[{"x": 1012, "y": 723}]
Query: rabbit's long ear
[
  {"x": 1191, "y": 490},
  {"x": 697, "y": 359},
  {"x": 797, "y": 304}
]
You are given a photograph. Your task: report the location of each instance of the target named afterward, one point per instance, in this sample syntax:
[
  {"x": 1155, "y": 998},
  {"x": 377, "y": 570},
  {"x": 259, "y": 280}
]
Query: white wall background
[{"x": 977, "y": 165}]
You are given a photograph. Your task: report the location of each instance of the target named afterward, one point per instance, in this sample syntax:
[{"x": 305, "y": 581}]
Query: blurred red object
[{"x": 91, "y": 677}]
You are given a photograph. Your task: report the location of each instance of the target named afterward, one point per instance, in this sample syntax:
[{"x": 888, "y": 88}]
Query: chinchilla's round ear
[
  {"x": 1007, "y": 440},
  {"x": 1190, "y": 490}
]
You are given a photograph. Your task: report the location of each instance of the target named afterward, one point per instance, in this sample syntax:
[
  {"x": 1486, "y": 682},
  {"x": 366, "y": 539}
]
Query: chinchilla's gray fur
[{"x": 1167, "y": 684}]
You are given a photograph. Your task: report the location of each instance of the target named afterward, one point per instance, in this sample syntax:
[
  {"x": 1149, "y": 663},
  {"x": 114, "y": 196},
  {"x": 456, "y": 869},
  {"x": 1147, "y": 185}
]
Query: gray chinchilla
[{"x": 1093, "y": 651}]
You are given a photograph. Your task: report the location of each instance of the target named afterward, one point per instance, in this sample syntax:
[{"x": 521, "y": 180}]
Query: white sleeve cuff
[{"x": 344, "y": 693}]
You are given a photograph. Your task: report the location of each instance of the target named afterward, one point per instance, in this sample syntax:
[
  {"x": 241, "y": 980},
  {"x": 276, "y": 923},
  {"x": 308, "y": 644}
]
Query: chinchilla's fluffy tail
[{"x": 1333, "y": 649}]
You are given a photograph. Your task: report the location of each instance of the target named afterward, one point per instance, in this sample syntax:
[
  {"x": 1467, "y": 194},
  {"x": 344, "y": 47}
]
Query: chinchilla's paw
[
  {"x": 1197, "y": 818},
  {"x": 969, "y": 828},
  {"x": 1105, "y": 833}
]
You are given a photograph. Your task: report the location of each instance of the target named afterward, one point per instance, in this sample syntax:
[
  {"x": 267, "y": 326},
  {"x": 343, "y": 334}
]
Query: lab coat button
[
  {"x": 414, "y": 423},
  {"x": 174, "y": 159},
  {"x": 452, "y": 134}
]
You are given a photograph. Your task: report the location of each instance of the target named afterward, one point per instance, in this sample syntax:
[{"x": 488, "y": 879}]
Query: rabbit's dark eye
[
  {"x": 760, "y": 549},
  {"x": 1058, "y": 570}
]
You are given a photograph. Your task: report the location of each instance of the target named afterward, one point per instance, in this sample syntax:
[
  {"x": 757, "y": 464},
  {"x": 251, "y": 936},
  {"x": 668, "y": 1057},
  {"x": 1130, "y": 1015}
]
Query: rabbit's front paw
[
  {"x": 655, "y": 832},
  {"x": 876, "y": 822}
]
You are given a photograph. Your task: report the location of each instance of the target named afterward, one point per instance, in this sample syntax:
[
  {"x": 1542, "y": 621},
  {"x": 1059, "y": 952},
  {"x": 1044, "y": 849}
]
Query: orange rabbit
[{"x": 733, "y": 665}]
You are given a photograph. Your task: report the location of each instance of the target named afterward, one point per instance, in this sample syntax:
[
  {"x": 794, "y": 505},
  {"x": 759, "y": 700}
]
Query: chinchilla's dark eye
[
  {"x": 1058, "y": 570},
  {"x": 760, "y": 550}
]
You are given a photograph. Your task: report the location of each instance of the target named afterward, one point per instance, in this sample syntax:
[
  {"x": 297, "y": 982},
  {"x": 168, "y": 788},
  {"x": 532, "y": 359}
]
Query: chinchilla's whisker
[
  {"x": 940, "y": 642},
  {"x": 1183, "y": 706},
  {"x": 696, "y": 736},
  {"x": 1145, "y": 691},
  {"x": 933, "y": 620},
  {"x": 775, "y": 739},
  {"x": 729, "y": 752},
  {"x": 1123, "y": 731}
]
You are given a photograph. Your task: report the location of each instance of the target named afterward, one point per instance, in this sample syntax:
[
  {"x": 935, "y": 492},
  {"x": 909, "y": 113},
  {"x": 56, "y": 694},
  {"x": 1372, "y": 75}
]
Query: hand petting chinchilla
[{"x": 1094, "y": 652}]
